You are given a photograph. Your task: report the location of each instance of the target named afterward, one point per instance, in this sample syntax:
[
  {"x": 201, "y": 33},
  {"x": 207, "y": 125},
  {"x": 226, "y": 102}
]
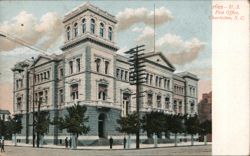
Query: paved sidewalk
[
  {"x": 163, "y": 151},
  {"x": 132, "y": 146}
]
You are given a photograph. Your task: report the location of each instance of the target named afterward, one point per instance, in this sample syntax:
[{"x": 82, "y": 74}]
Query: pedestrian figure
[
  {"x": 66, "y": 142},
  {"x": 110, "y": 142},
  {"x": 70, "y": 142},
  {"x": 2, "y": 145},
  {"x": 124, "y": 142}
]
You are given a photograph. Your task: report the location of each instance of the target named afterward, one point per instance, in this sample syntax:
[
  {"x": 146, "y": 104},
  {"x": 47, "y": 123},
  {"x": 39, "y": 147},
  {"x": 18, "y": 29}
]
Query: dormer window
[
  {"x": 68, "y": 33},
  {"x": 75, "y": 29},
  {"x": 110, "y": 33},
  {"x": 83, "y": 25},
  {"x": 92, "y": 26},
  {"x": 102, "y": 30}
]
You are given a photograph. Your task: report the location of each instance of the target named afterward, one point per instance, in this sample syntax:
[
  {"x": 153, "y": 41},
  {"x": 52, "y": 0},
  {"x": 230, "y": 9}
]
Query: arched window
[
  {"x": 102, "y": 30},
  {"x": 75, "y": 29},
  {"x": 110, "y": 33},
  {"x": 92, "y": 26},
  {"x": 83, "y": 25},
  {"x": 68, "y": 33}
]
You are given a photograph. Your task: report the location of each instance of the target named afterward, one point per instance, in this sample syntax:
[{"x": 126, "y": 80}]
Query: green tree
[
  {"x": 128, "y": 124},
  {"x": 74, "y": 122},
  {"x": 205, "y": 128},
  {"x": 2, "y": 128},
  {"x": 153, "y": 122},
  {"x": 175, "y": 125},
  {"x": 41, "y": 124},
  {"x": 192, "y": 126},
  {"x": 14, "y": 126}
]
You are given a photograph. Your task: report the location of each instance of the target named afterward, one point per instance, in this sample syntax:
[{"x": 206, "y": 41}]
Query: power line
[
  {"x": 154, "y": 27},
  {"x": 22, "y": 42}
]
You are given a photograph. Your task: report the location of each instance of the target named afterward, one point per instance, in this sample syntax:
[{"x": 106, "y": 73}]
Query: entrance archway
[{"x": 101, "y": 125}]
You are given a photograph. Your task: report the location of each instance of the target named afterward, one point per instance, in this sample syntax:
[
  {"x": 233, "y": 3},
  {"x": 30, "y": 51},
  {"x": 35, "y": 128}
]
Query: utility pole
[
  {"x": 136, "y": 77},
  {"x": 33, "y": 107},
  {"x": 38, "y": 122}
]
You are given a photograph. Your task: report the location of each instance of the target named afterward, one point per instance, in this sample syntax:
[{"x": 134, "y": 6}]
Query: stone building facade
[{"x": 90, "y": 73}]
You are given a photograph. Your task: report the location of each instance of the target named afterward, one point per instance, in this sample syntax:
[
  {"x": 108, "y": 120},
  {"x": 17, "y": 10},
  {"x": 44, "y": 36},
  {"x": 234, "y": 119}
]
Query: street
[{"x": 182, "y": 150}]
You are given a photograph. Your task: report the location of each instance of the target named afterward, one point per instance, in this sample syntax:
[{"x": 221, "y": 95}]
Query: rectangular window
[
  {"x": 61, "y": 73},
  {"x": 19, "y": 103},
  {"x": 102, "y": 91},
  {"x": 117, "y": 73},
  {"x": 168, "y": 84},
  {"x": 46, "y": 96},
  {"x": 48, "y": 74},
  {"x": 175, "y": 106},
  {"x": 126, "y": 75},
  {"x": 21, "y": 83},
  {"x": 71, "y": 67},
  {"x": 74, "y": 91},
  {"x": 151, "y": 79},
  {"x": 78, "y": 62},
  {"x": 61, "y": 96},
  {"x": 165, "y": 83},
  {"x": 41, "y": 75},
  {"x": 106, "y": 67},
  {"x": 122, "y": 74},
  {"x": 150, "y": 99},
  {"x": 159, "y": 101},
  {"x": 167, "y": 103},
  {"x": 156, "y": 81},
  {"x": 38, "y": 79},
  {"x": 17, "y": 84},
  {"x": 36, "y": 98},
  {"x": 98, "y": 63},
  {"x": 180, "y": 107},
  {"x": 147, "y": 78},
  {"x": 44, "y": 75},
  {"x": 160, "y": 82},
  {"x": 40, "y": 100}
]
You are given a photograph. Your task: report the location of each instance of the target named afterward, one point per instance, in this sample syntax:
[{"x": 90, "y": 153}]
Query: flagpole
[{"x": 154, "y": 27}]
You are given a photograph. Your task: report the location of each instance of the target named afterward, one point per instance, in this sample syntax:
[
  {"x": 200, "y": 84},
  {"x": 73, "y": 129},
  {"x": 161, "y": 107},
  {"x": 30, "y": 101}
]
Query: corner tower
[{"x": 89, "y": 23}]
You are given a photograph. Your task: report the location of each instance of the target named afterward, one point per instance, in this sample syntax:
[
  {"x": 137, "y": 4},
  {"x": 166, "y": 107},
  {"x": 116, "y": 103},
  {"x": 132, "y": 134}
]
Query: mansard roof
[{"x": 85, "y": 7}]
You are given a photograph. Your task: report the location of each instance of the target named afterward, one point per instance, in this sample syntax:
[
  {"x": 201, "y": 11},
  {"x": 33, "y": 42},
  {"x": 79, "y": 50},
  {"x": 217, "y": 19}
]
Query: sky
[{"x": 183, "y": 33}]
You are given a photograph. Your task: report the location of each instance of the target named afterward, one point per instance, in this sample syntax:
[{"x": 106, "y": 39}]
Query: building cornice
[
  {"x": 86, "y": 38},
  {"x": 89, "y": 7}
]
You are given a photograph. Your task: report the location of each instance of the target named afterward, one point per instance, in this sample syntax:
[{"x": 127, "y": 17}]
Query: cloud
[
  {"x": 178, "y": 51},
  {"x": 129, "y": 17},
  {"x": 42, "y": 33},
  {"x": 188, "y": 51}
]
